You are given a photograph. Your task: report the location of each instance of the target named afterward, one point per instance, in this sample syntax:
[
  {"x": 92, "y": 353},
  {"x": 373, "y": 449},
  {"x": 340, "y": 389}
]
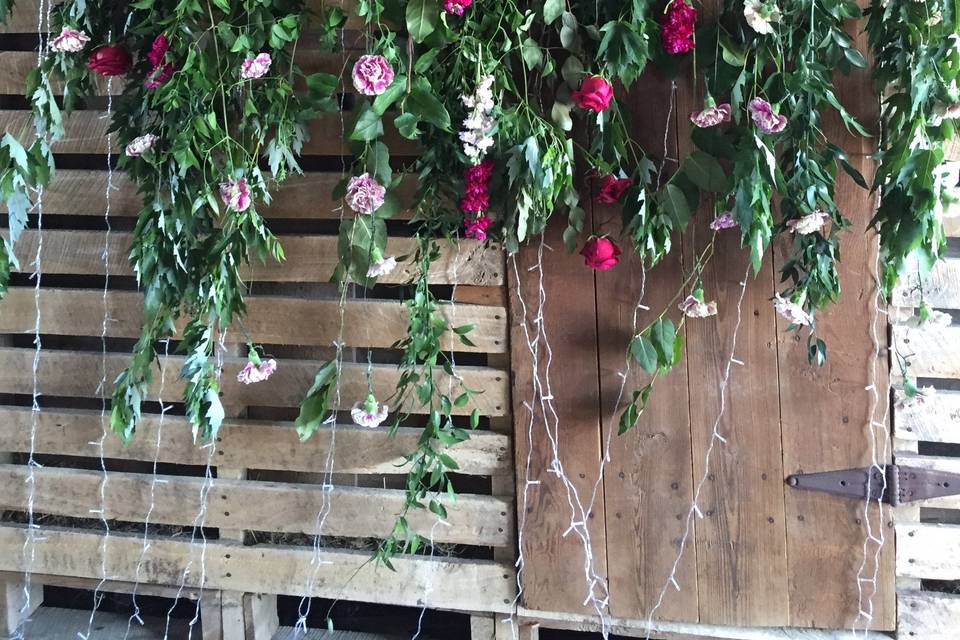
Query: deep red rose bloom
[
  {"x": 162, "y": 70},
  {"x": 677, "y": 27},
  {"x": 611, "y": 189},
  {"x": 600, "y": 253},
  {"x": 594, "y": 93},
  {"x": 110, "y": 60}
]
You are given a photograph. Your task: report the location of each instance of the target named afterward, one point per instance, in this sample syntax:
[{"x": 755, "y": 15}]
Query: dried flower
[
  {"x": 711, "y": 116},
  {"x": 252, "y": 373},
  {"x": 365, "y": 194},
  {"x": 792, "y": 311},
  {"x": 765, "y": 118},
  {"x": 70, "y": 41},
  {"x": 382, "y": 267},
  {"x": 140, "y": 145},
  {"x": 677, "y": 27},
  {"x": 372, "y": 74},
  {"x": 723, "y": 221},
  {"x": 369, "y": 413},
  {"x": 258, "y": 67},
  {"x": 236, "y": 194},
  {"x": 761, "y": 16},
  {"x": 809, "y": 223},
  {"x": 693, "y": 307}
]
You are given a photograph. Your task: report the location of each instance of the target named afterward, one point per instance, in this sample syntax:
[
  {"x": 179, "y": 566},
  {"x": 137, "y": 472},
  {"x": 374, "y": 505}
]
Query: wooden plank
[
  {"x": 453, "y": 583},
  {"x": 86, "y": 132},
  {"x": 928, "y": 551},
  {"x": 54, "y": 623},
  {"x": 13, "y": 599},
  {"x": 553, "y": 575},
  {"x": 936, "y": 463},
  {"x": 61, "y": 373},
  {"x": 355, "y": 512},
  {"x": 826, "y": 416},
  {"x": 931, "y": 350},
  {"x": 936, "y": 420},
  {"x": 928, "y": 615},
  {"x": 79, "y": 192},
  {"x": 648, "y": 484},
  {"x": 309, "y": 258},
  {"x": 269, "y": 319},
  {"x": 110, "y": 586},
  {"x": 246, "y": 444},
  {"x": 941, "y": 287},
  {"x": 260, "y": 619}
]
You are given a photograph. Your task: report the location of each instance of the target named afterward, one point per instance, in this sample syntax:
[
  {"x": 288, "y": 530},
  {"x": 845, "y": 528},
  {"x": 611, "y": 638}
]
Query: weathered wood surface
[
  {"x": 80, "y": 192},
  {"x": 928, "y": 551},
  {"x": 928, "y": 615},
  {"x": 54, "y": 623},
  {"x": 309, "y": 258},
  {"x": 941, "y": 287},
  {"x": 354, "y": 512},
  {"x": 462, "y": 585},
  {"x": 77, "y": 374},
  {"x": 934, "y": 463},
  {"x": 245, "y": 444},
  {"x": 269, "y": 319},
  {"x": 930, "y": 349},
  {"x": 936, "y": 420}
]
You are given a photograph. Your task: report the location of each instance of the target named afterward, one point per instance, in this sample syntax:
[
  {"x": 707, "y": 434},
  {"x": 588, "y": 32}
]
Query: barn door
[{"x": 763, "y": 553}]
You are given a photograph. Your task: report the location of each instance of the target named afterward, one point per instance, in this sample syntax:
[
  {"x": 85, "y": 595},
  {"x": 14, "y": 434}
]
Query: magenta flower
[
  {"x": 372, "y": 74},
  {"x": 70, "y": 41},
  {"x": 765, "y": 118},
  {"x": 140, "y": 145},
  {"x": 162, "y": 70},
  {"x": 365, "y": 194},
  {"x": 252, "y": 374},
  {"x": 476, "y": 228},
  {"x": 711, "y": 116},
  {"x": 456, "y": 7},
  {"x": 677, "y": 27},
  {"x": 723, "y": 221},
  {"x": 258, "y": 67},
  {"x": 235, "y": 194}
]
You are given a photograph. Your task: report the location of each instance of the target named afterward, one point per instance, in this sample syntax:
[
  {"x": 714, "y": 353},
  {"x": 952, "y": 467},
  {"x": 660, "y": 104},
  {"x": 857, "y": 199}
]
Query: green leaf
[
  {"x": 675, "y": 204},
  {"x": 531, "y": 53},
  {"x": 644, "y": 353},
  {"x": 422, "y": 18},
  {"x": 705, "y": 171},
  {"x": 552, "y": 10},
  {"x": 664, "y": 334},
  {"x": 427, "y": 107},
  {"x": 393, "y": 93},
  {"x": 368, "y": 125}
]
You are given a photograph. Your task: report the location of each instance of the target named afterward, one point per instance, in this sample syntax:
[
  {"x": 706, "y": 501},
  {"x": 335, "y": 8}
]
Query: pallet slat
[
  {"x": 941, "y": 287},
  {"x": 308, "y": 258},
  {"x": 269, "y": 319},
  {"x": 936, "y": 420},
  {"x": 928, "y": 551},
  {"x": 462, "y": 585},
  {"x": 930, "y": 349},
  {"x": 935, "y": 463},
  {"x": 77, "y": 374},
  {"x": 928, "y": 615},
  {"x": 245, "y": 444},
  {"x": 354, "y": 512}
]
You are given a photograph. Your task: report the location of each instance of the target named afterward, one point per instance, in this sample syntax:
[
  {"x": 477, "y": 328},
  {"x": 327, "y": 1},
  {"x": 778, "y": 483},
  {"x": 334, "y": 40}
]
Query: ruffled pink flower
[
  {"x": 694, "y": 308},
  {"x": 456, "y": 7},
  {"x": 235, "y": 194},
  {"x": 140, "y": 145},
  {"x": 476, "y": 228},
  {"x": 723, "y": 221},
  {"x": 70, "y": 41},
  {"x": 252, "y": 374},
  {"x": 372, "y": 74},
  {"x": 677, "y": 27},
  {"x": 711, "y": 116},
  {"x": 765, "y": 118},
  {"x": 365, "y": 194},
  {"x": 791, "y": 311},
  {"x": 809, "y": 223},
  {"x": 369, "y": 413},
  {"x": 158, "y": 50},
  {"x": 258, "y": 67}
]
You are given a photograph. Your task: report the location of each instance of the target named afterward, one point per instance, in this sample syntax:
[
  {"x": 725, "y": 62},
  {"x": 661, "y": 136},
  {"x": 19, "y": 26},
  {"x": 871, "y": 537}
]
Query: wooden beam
[
  {"x": 246, "y": 443},
  {"x": 928, "y": 615},
  {"x": 453, "y": 583},
  {"x": 309, "y": 258},
  {"x": 928, "y": 551}
]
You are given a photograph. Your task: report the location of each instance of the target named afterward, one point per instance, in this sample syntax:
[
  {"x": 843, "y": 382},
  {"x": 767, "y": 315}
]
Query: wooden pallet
[
  {"x": 267, "y": 491},
  {"x": 928, "y": 533}
]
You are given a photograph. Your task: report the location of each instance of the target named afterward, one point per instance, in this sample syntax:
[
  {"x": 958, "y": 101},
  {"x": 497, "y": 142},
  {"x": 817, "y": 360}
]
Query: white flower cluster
[{"x": 477, "y": 134}]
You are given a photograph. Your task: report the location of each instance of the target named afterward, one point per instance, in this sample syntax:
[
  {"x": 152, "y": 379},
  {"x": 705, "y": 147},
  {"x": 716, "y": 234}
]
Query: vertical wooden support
[
  {"x": 11, "y": 603},
  {"x": 493, "y": 628}
]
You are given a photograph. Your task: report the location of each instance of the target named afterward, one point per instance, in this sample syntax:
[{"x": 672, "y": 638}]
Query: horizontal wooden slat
[
  {"x": 245, "y": 444},
  {"x": 928, "y": 615},
  {"x": 353, "y": 512},
  {"x": 77, "y": 374},
  {"x": 941, "y": 287},
  {"x": 936, "y": 463},
  {"x": 443, "y": 583},
  {"x": 86, "y": 132},
  {"x": 928, "y": 551},
  {"x": 933, "y": 351},
  {"x": 936, "y": 420},
  {"x": 269, "y": 320},
  {"x": 308, "y": 258}
]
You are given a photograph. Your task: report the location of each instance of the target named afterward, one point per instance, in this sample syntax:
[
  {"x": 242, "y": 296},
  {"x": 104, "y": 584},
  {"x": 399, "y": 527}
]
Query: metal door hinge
[{"x": 903, "y": 484}]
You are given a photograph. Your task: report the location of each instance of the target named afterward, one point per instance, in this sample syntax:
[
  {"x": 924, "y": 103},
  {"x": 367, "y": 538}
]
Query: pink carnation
[
  {"x": 711, "y": 116},
  {"x": 365, "y": 194},
  {"x": 476, "y": 228},
  {"x": 258, "y": 67},
  {"x": 723, "y": 221},
  {"x": 677, "y": 27},
  {"x": 695, "y": 308},
  {"x": 456, "y": 7},
  {"x": 235, "y": 194},
  {"x": 372, "y": 75},
  {"x": 765, "y": 118},
  {"x": 140, "y": 145},
  {"x": 251, "y": 373},
  {"x": 70, "y": 41}
]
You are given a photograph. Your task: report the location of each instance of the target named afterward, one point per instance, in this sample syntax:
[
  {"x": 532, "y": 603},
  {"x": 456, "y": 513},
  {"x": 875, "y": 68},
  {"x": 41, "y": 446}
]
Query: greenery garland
[{"x": 518, "y": 96}]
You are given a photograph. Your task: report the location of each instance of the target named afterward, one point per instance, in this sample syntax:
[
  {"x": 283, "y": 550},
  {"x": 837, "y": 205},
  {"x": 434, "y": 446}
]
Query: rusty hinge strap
[{"x": 903, "y": 484}]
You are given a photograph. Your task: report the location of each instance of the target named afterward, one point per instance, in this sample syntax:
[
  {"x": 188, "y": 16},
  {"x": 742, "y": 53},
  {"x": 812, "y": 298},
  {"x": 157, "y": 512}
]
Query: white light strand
[
  {"x": 153, "y": 492},
  {"x": 715, "y": 437},
  {"x": 102, "y": 387},
  {"x": 878, "y": 463},
  {"x": 29, "y": 550},
  {"x": 428, "y": 588}
]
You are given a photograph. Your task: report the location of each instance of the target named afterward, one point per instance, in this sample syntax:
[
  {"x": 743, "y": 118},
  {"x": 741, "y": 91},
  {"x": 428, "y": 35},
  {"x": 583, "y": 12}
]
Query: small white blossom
[
  {"x": 761, "y": 16},
  {"x": 369, "y": 413},
  {"x": 478, "y": 126},
  {"x": 903, "y": 401},
  {"x": 382, "y": 267},
  {"x": 809, "y": 223},
  {"x": 693, "y": 308},
  {"x": 792, "y": 311},
  {"x": 139, "y": 146}
]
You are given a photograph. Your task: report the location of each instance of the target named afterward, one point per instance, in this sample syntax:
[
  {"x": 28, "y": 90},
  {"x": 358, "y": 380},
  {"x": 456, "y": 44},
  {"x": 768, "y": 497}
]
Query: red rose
[
  {"x": 110, "y": 60},
  {"x": 612, "y": 189},
  {"x": 594, "y": 93},
  {"x": 600, "y": 253}
]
